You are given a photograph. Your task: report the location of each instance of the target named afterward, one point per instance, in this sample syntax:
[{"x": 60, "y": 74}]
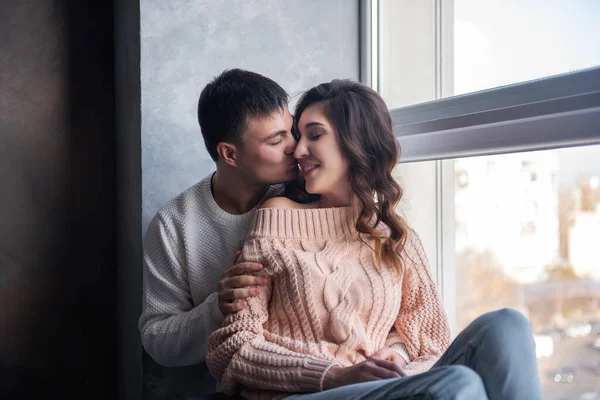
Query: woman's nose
[{"x": 301, "y": 150}]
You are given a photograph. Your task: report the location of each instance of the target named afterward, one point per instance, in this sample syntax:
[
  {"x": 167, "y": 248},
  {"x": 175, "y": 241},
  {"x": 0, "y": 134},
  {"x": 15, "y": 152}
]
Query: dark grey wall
[
  {"x": 185, "y": 43},
  {"x": 129, "y": 194},
  {"x": 57, "y": 179}
]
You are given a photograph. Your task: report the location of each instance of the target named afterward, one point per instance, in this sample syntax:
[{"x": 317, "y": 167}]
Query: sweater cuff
[
  {"x": 401, "y": 349},
  {"x": 313, "y": 374}
]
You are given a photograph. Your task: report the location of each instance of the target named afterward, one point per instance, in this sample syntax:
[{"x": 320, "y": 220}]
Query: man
[{"x": 246, "y": 127}]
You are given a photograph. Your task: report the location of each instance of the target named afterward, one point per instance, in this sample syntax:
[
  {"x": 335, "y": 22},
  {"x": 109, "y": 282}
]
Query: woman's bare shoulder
[{"x": 283, "y": 202}]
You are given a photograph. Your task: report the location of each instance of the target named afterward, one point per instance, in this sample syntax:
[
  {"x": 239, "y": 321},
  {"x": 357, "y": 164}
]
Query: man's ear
[{"x": 228, "y": 152}]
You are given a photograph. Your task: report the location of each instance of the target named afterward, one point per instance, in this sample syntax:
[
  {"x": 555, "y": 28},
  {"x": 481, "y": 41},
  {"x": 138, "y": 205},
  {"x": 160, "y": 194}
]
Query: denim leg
[
  {"x": 499, "y": 347},
  {"x": 454, "y": 382}
]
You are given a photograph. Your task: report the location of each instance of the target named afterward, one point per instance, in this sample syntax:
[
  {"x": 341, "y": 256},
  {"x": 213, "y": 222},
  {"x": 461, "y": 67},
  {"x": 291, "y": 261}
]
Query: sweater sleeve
[
  {"x": 422, "y": 325},
  {"x": 239, "y": 354},
  {"x": 174, "y": 332}
]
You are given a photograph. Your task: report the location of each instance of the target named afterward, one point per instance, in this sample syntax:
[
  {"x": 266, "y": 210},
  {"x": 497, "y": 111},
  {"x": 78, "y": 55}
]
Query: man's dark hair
[{"x": 228, "y": 101}]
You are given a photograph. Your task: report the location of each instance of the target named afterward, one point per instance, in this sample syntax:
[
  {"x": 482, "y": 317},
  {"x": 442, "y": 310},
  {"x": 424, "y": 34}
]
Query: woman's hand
[
  {"x": 372, "y": 369},
  {"x": 386, "y": 353}
]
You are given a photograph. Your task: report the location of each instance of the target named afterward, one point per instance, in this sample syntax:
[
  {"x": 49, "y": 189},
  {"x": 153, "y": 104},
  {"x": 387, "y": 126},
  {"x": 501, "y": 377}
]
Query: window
[
  {"x": 543, "y": 38},
  {"x": 533, "y": 246},
  {"x": 473, "y": 45},
  {"x": 497, "y": 110}
]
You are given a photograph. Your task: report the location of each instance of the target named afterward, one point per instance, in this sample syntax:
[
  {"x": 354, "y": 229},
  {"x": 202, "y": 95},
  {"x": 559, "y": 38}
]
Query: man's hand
[
  {"x": 372, "y": 369},
  {"x": 235, "y": 286},
  {"x": 388, "y": 354}
]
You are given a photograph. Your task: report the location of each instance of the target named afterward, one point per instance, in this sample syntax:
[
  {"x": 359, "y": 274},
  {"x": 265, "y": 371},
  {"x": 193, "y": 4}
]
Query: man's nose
[{"x": 290, "y": 146}]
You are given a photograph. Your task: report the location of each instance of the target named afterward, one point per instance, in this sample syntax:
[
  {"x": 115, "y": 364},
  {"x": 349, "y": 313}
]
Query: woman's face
[{"x": 319, "y": 154}]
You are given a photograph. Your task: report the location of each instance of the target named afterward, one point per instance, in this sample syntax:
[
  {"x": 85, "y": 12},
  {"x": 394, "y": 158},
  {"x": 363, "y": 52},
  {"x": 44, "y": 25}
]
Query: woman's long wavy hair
[{"x": 366, "y": 138}]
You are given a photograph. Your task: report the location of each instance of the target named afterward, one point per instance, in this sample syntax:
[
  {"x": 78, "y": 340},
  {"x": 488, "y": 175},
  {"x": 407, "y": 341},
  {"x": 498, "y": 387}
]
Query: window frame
[{"x": 548, "y": 113}]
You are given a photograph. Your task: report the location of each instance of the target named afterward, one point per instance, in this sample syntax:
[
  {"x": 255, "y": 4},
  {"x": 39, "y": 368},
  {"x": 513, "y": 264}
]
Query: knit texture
[
  {"x": 188, "y": 245},
  {"x": 327, "y": 304}
]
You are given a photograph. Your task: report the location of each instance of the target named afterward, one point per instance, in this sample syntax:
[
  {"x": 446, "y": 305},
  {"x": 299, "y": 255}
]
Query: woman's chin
[{"x": 311, "y": 188}]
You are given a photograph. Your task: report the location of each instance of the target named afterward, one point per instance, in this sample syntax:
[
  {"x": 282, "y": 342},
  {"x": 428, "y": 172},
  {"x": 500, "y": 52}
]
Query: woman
[{"x": 351, "y": 310}]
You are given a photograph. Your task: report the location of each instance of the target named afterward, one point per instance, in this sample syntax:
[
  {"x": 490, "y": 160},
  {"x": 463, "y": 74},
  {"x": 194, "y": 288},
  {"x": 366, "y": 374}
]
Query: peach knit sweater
[{"x": 327, "y": 304}]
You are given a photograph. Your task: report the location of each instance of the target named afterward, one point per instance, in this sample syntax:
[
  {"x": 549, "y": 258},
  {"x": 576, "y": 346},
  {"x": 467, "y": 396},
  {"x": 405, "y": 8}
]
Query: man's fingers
[
  {"x": 235, "y": 294},
  {"x": 238, "y": 283},
  {"x": 242, "y": 268},
  {"x": 234, "y": 307},
  {"x": 242, "y": 281}
]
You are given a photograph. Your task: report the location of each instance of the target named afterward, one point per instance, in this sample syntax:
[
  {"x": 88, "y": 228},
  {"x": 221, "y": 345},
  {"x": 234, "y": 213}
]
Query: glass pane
[
  {"x": 500, "y": 42},
  {"x": 407, "y": 60},
  {"x": 527, "y": 236},
  {"x": 472, "y": 45},
  {"x": 418, "y": 203}
]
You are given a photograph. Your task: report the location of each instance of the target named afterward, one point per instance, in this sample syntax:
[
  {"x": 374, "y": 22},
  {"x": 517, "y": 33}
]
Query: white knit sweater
[{"x": 188, "y": 245}]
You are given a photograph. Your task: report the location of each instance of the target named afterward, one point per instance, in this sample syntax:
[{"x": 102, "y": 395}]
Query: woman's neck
[{"x": 329, "y": 200}]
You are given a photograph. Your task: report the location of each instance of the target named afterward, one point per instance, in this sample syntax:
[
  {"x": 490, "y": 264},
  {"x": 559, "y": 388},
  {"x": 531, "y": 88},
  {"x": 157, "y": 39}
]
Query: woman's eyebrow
[{"x": 310, "y": 124}]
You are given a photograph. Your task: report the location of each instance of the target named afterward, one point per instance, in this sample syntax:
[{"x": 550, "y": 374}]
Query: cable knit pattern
[{"x": 327, "y": 304}]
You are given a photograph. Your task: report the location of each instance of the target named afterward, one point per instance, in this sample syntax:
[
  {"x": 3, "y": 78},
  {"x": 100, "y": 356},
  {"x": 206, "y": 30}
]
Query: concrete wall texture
[{"x": 185, "y": 43}]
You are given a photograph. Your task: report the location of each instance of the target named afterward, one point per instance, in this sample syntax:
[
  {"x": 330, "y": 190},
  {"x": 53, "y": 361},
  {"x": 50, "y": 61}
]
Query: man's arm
[
  {"x": 240, "y": 355},
  {"x": 173, "y": 331}
]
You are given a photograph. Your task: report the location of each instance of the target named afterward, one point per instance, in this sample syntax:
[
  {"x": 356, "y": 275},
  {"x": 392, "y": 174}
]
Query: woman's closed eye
[{"x": 314, "y": 135}]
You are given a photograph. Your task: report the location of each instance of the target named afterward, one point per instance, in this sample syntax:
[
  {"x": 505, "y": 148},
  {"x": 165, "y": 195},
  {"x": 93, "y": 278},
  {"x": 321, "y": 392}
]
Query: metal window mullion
[
  {"x": 439, "y": 194},
  {"x": 365, "y": 45},
  {"x": 376, "y": 17}
]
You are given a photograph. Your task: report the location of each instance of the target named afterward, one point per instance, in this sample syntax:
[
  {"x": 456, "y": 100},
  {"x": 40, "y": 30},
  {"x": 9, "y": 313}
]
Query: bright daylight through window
[{"x": 504, "y": 226}]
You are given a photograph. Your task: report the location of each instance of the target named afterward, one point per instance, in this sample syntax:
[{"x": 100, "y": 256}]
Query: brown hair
[
  {"x": 366, "y": 137},
  {"x": 229, "y": 100}
]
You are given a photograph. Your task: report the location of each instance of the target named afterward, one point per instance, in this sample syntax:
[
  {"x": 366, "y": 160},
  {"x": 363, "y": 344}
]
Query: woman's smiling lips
[{"x": 308, "y": 167}]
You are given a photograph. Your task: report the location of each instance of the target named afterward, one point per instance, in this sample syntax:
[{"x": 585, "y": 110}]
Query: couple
[{"x": 331, "y": 296}]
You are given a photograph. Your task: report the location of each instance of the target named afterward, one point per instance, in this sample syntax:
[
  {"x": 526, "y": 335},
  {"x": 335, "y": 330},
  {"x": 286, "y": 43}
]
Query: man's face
[{"x": 265, "y": 156}]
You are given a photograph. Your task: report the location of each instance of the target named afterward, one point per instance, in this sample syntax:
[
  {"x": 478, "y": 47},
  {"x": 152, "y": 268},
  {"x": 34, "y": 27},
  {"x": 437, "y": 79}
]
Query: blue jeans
[{"x": 493, "y": 358}]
